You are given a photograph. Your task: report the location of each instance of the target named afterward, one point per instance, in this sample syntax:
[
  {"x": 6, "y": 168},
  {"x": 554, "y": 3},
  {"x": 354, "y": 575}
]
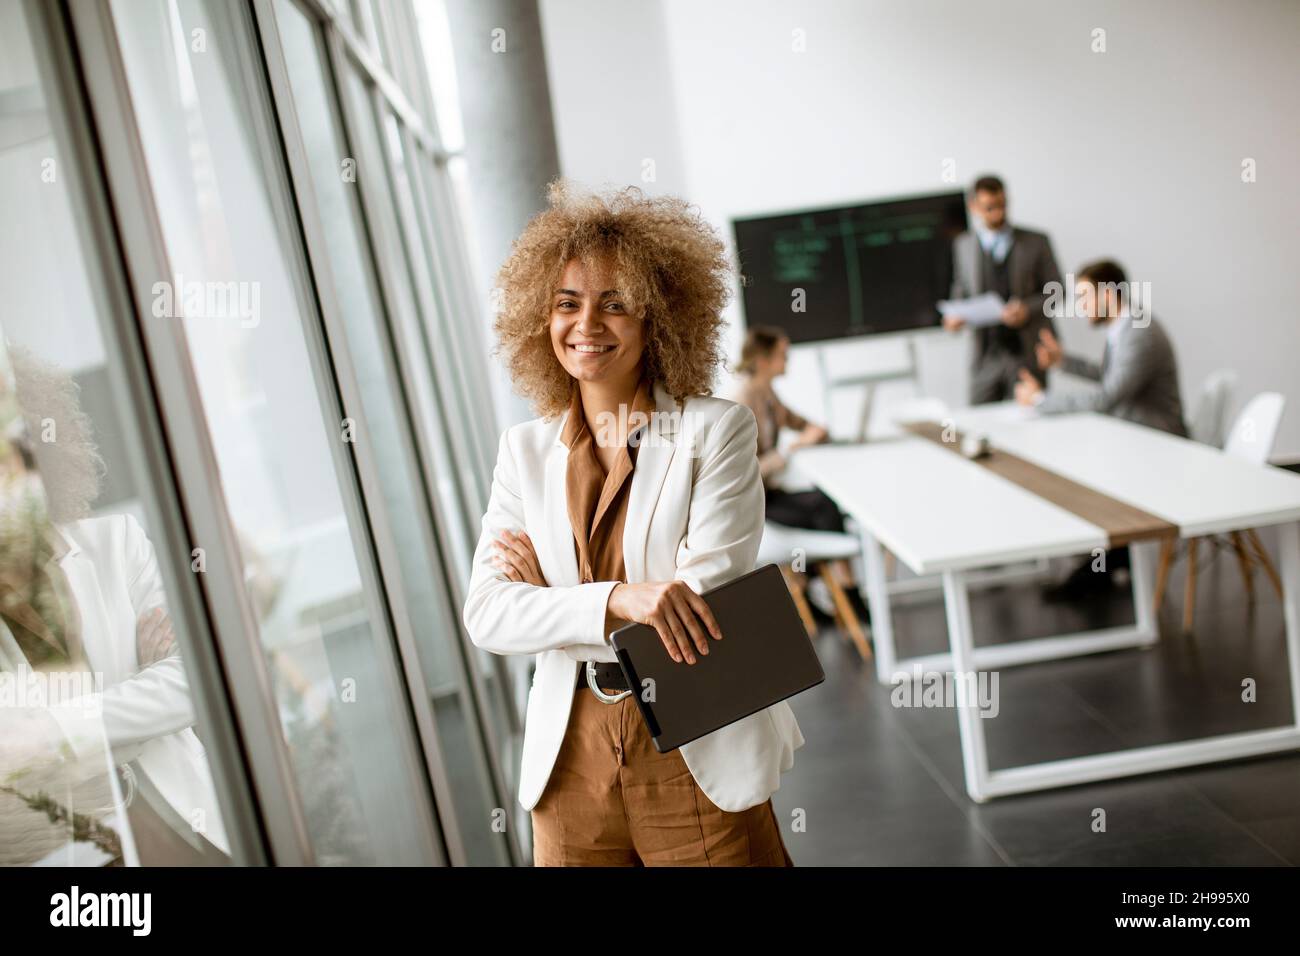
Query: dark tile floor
[{"x": 883, "y": 785}]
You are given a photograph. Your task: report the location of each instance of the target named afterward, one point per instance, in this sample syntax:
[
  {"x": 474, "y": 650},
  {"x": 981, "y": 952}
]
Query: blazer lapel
[
  {"x": 970, "y": 251},
  {"x": 560, "y": 561},
  {"x": 654, "y": 455},
  {"x": 1018, "y": 276}
]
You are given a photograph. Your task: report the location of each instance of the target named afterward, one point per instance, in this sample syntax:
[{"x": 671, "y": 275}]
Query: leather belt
[{"x": 608, "y": 676}]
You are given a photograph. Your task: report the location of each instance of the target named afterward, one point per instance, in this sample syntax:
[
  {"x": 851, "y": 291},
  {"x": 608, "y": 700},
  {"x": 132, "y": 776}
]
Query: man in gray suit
[
  {"x": 1137, "y": 380},
  {"x": 1015, "y": 263},
  {"x": 1138, "y": 377}
]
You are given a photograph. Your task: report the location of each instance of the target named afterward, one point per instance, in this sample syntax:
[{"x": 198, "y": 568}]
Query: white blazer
[
  {"x": 142, "y": 714},
  {"x": 695, "y": 512}
]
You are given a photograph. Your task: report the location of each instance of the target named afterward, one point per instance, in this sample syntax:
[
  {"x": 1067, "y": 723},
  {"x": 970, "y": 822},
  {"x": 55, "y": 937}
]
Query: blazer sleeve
[
  {"x": 962, "y": 283},
  {"x": 153, "y": 702},
  {"x": 1127, "y": 374},
  {"x": 1046, "y": 272},
  {"x": 787, "y": 418},
  {"x": 510, "y": 617},
  {"x": 725, "y": 519}
]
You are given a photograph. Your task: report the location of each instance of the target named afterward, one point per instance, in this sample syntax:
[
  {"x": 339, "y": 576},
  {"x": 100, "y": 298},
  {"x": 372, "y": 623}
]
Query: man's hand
[
  {"x": 678, "y": 614},
  {"x": 516, "y": 558},
  {"x": 954, "y": 323},
  {"x": 1048, "y": 350},
  {"x": 154, "y": 638},
  {"x": 1027, "y": 389},
  {"x": 1015, "y": 314}
]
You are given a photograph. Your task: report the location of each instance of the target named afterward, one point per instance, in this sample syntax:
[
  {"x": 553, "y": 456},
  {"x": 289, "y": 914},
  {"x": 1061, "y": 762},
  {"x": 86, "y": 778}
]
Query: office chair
[
  {"x": 785, "y": 546},
  {"x": 1251, "y": 439}
]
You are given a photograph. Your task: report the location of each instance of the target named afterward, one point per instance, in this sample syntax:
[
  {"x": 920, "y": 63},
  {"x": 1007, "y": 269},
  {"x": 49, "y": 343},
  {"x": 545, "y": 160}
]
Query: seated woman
[
  {"x": 762, "y": 359},
  {"x": 632, "y": 493}
]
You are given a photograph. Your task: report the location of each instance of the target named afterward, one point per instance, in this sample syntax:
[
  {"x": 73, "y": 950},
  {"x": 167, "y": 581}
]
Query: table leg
[
  {"x": 1289, "y": 539},
  {"x": 984, "y": 784},
  {"x": 974, "y": 752},
  {"x": 882, "y": 625},
  {"x": 1141, "y": 558}
]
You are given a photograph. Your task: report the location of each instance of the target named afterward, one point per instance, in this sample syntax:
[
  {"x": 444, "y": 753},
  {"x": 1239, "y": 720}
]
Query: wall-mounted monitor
[{"x": 853, "y": 270}]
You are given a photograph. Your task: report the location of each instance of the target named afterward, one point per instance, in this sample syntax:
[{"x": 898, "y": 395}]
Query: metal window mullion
[
  {"x": 440, "y": 323},
  {"x": 483, "y": 429},
  {"x": 448, "y": 238},
  {"x": 367, "y": 464},
  {"x": 444, "y": 376},
  {"x": 146, "y": 443},
  {"x": 237, "y": 655},
  {"x": 385, "y": 237},
  {"x": 271, "y": 146},
  {"x": 373, "y": 68}
]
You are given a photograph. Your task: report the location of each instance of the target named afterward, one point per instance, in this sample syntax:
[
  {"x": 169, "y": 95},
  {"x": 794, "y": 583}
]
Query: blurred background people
[
  {"x": 762, "y": 359},
  {"x": 1137, "y": 378},
  {"x": 1017, "y": 264}
]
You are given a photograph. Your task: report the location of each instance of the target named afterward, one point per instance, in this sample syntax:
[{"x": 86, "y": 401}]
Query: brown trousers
[{"x": 613, "y": 800}]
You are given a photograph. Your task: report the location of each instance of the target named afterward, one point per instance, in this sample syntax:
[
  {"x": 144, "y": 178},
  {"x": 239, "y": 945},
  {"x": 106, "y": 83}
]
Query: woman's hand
[
  {"x": 516, "y": 558},
  {"x": 678, "y": 614},
  {"x": 154, "y": 638}
]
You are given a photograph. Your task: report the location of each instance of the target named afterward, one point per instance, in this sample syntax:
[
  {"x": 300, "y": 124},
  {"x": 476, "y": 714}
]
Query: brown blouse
[
  {"x": 771, "y": 415},
  {"x": 598, "y": 501}
]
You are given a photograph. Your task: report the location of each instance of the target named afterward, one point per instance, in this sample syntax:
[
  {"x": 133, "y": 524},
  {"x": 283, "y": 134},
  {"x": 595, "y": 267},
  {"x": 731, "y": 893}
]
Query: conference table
[{"x": 1055, "y": 486}]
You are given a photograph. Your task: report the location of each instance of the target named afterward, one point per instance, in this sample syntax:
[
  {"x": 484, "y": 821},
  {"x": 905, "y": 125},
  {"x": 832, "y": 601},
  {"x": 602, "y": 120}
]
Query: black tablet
[{"x": 764, "y": 657}]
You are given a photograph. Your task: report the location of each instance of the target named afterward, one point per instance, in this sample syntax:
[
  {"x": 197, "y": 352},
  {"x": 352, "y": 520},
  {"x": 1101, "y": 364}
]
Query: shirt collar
[
  {"x": 996, "y": 243},
  {"x": 63, "y": 546},
  {"x": 1117, "y": 326},
  {"x": 641, "y": 412}
]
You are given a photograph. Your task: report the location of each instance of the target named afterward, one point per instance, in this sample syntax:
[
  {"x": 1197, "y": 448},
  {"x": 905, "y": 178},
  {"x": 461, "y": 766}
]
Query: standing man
[{"x": 1017, "y": 264}]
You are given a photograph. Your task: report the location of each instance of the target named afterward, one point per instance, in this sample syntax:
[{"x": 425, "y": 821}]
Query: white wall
[{"x": 1133, "y": 153}]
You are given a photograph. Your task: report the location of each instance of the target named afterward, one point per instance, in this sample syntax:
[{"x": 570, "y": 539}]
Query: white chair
[
  {"x": 1255, "y": 429},
  {"x": 793, "y": 549},
  {"x": 1211, "y": 413},
  {"x": 1251, "y": 439}
]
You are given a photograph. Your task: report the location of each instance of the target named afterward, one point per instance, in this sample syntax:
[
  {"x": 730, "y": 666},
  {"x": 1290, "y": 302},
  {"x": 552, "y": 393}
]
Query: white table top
[
  {"x": 937, "y": 511},
  {"x": 1200, "y": 489}
]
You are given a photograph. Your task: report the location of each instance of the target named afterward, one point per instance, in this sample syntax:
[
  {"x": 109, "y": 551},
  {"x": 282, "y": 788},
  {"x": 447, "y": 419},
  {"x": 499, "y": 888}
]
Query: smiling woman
[
  {"x": 663, "y": 264},
  {"x": 612, "y": 315}
]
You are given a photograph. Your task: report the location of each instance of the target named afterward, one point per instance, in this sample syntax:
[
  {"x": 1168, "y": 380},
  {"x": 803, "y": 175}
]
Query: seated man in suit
[
  {"x": 1137, "y": 380},
  {"x": 1017, "y": 264}
]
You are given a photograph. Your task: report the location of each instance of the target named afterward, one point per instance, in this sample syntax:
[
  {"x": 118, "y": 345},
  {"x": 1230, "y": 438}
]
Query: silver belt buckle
[{"x": 595, "y": 688}]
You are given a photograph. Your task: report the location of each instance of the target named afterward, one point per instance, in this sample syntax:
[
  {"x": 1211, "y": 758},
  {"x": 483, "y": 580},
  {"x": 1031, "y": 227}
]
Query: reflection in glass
[
  {"x": 388, "y": 435},
  {"x": 100, "y": 762},
  {"x": 341, "y": 701}
]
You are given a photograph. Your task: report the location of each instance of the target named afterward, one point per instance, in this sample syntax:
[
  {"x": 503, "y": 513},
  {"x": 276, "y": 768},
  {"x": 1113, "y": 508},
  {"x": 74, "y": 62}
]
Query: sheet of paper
[{"x": 978, "y": 311}]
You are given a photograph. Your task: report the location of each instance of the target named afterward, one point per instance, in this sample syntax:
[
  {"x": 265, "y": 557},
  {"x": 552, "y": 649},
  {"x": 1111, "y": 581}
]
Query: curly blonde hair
[
  {"x": 671, "y": 268},
  {"x": 69, "y": 463}
]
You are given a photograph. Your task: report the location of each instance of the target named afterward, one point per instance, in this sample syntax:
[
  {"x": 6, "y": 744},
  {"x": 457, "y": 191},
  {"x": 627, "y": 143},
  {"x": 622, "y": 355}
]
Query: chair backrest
[
  {"x": 1255, "y": 429},
  {"x": 1210, "y": 416}
]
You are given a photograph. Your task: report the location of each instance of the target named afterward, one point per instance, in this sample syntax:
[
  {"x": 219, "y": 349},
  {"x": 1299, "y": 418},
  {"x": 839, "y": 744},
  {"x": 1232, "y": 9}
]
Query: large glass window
[
  {"x": 101, "y": 759},
  {"x": 236, "y": 290},
  {"x": 387, "y": 431}
]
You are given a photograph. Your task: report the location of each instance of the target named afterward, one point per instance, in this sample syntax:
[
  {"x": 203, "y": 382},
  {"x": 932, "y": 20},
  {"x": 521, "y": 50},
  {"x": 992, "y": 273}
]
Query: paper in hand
[{"x": 978, "y": 311}]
